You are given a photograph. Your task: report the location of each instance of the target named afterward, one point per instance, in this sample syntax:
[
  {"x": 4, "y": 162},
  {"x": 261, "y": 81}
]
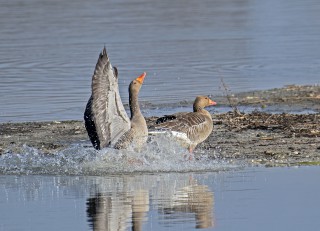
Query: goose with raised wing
[
  {"x": 189, "y": 129},
  {"x": 106, "y": 120}
]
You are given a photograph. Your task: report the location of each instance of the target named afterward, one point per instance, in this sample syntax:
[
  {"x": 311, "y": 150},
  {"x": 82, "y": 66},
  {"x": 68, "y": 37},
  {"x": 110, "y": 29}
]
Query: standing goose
[
  {"x": 105, "y": 118},
  {"x": 190, "y": 128}
]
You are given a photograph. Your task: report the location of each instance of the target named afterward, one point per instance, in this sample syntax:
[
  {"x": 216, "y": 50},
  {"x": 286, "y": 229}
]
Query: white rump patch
[{"x": 179, "y": 136}]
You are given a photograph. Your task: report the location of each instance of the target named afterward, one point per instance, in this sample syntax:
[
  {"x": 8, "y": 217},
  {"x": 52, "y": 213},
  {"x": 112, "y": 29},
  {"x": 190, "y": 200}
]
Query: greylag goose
[
  {"x": 189, "y": 129},
  {"x": 106, "y": 120},
  {"x": 137, "y": 135}
]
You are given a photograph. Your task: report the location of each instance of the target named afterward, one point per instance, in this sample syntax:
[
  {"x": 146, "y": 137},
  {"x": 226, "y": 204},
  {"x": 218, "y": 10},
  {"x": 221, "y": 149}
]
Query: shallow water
[
  {"x": 80, "y": 188},
  {"x": 48, "y": 50},
  {"x": 159, "y": 155},
  {"x": 249, "y": 199}
]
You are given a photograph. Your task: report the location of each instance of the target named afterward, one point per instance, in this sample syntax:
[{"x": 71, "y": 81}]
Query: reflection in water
[
  {"x": 195, "y": 199},
  {"x": 106, "y": 212},
  {"x": 243, "y": 200},
  {"x": 129, "y": 205}
]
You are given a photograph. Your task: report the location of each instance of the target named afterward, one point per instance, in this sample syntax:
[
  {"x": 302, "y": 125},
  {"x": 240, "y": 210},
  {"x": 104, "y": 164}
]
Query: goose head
[
  {"x": 202, "y": 102},
  {"x": 136, "y": 84}
]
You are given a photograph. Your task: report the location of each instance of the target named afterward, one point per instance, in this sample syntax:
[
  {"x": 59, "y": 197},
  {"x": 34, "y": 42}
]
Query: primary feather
[{"x": 105, "y": 117}]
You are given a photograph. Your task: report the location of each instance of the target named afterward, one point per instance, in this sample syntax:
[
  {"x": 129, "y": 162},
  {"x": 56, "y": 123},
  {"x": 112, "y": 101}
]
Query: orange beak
[
  {"x": 141, "y": 77},
  {"x": 212, "y": 103}
]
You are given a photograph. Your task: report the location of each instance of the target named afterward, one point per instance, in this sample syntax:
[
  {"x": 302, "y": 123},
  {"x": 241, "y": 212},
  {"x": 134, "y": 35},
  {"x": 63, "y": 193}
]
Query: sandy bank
[{"x": 257, "y": 137}]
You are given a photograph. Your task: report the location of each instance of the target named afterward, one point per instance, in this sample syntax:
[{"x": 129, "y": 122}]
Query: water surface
[
  {"x": 48, "y": 50},
  {"x": 248, "y": 199}
]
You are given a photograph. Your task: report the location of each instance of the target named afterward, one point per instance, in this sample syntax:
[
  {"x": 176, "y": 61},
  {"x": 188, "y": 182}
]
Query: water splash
[{"x": 159, "y": 155}]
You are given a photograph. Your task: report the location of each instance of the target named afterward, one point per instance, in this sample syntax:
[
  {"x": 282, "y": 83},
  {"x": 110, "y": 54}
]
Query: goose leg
[{"x": 189, "y": 156}]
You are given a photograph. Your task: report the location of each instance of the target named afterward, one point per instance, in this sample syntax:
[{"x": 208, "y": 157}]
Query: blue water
[
  {"x": 248, "y": 199},
  {"x": 48, "y": 50}
]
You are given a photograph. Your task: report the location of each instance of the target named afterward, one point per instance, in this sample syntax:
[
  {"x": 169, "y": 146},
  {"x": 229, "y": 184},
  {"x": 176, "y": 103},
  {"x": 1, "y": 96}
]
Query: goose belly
[{"x": 180, "y": 137}]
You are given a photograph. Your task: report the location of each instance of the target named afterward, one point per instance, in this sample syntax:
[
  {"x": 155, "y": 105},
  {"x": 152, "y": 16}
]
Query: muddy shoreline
[{"x": 255, "y": 138}]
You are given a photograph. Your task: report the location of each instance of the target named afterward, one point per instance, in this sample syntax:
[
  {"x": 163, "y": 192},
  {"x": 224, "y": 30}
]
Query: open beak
[{"x": 141, "y": 77}]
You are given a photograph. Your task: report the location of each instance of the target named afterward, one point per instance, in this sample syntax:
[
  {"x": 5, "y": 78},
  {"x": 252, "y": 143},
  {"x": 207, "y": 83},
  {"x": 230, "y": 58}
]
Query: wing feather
[
  {"x": 105, "y": 117},
  {"x": 192, "y": 124}
]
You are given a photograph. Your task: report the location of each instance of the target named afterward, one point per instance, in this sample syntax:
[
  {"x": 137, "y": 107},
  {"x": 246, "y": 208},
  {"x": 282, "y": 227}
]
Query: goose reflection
[
  {"x": 126, "y": 206},
  {"x": 194, "y": 199},
  {"x": 108, "y": 212}
]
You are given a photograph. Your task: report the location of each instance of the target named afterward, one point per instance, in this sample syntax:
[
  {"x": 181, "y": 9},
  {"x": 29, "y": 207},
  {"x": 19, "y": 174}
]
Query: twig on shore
[{"x": 229, "y": 98}]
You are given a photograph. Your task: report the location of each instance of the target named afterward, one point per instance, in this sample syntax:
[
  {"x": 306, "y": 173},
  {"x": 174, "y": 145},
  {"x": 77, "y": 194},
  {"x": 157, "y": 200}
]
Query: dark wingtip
[
  {"x": 104, "y": 51},
  {"x": 165, "y": 118},
  {"x": 115, "y": 70}
]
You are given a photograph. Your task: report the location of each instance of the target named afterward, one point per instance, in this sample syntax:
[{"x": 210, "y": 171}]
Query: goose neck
[{"x": 134, "y": 104}]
